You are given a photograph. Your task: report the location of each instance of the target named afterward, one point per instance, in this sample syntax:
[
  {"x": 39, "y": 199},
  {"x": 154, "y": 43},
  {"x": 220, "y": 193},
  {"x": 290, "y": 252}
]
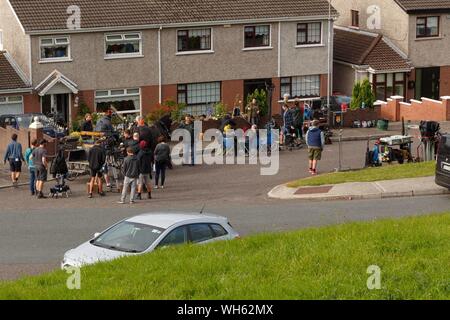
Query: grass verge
[
  {"x": 391, "y": 172},
  {"x": 320, "y": 263}
]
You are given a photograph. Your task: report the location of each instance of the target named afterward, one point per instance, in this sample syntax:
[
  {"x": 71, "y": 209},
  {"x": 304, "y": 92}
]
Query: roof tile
[
  {"x": 9, "y": 78},
  {"x": 362, "y": 48},
  {"x": 52, "y": 14}
]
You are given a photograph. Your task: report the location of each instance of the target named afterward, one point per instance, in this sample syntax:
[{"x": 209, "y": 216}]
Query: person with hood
[
  {"x": 130, "y": 171},
  {"x": 315, "y": 139},
  {"x": 162, "y": 161},
  {"x": 145, "y": 158}
]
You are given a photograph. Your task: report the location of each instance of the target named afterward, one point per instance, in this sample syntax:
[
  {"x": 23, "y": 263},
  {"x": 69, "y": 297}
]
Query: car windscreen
[
  {"x": 444, "y": 147},
  {"x": 128, "y": 237}
]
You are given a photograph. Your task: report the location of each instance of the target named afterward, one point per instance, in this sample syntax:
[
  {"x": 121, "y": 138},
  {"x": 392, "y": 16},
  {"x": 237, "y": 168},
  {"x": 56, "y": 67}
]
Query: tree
[
  {"x": 367, "y": 96},
  {"x": 362, "y": 95}
]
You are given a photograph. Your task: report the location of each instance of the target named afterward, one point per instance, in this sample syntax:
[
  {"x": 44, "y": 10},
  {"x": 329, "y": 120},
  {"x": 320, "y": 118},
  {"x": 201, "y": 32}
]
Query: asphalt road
[{"x": 35, "y": 234}]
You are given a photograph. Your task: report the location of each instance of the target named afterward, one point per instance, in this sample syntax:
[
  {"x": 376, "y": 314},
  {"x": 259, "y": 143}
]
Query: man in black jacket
[
  {"x": 130, "y": 171},
  {"x": 97, "y": 159}
]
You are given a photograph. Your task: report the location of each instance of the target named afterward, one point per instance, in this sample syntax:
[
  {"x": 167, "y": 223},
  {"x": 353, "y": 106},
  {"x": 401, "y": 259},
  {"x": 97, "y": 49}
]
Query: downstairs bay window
[
  {"x": 199, "y": 97},
  {"x": 301, "y": 87}
]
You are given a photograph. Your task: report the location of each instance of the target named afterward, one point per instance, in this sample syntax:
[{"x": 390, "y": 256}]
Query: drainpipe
[
  {"x": 279, "y": 49},
  {"x": 159, "y": 64}
]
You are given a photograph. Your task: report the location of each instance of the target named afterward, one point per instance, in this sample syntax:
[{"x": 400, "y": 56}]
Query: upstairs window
[
  {"x": 123, "y": 45},
  {"x": 427, "y": 27},
  {"x": 194, "y": 40},
  {"x": 257, "y": 36},
  {"x": 355, "y": 18},
  {"x": 309, "y": 33},
  {"x": 55, "y": 48}
]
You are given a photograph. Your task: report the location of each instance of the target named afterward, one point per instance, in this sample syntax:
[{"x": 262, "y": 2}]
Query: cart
[{"x": 396, "y": 148}]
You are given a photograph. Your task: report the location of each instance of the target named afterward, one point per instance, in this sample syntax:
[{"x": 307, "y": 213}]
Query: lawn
[
  {"x": 318, "y": 263},
  {"x": 387, "y": 172}
]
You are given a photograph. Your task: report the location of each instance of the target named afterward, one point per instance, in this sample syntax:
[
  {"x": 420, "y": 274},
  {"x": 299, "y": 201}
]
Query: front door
[
  {"x": 57, "y": 106},
  {"x": 251, "y": 85},
  {"x": 427, "y": 83}
]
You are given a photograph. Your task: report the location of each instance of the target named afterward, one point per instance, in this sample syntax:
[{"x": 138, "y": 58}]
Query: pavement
[{"x": 416, "y": 187}]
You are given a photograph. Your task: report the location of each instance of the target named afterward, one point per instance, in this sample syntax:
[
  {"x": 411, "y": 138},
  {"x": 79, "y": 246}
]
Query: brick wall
[
  {"x": 444, "y": 85},
  {"x": 24, "y": 137},
  {"x": 149, "y": 98},
  {"x": 231, "y": 89},
  {"x": 31, "y": 103},
  {"x": 361, "y": 115},
  {"x": 426, "y": 109},
  {"x": 87, "y": 97}
]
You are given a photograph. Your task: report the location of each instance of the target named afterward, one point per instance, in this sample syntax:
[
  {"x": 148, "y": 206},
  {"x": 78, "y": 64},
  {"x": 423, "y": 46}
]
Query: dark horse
[{"x": 161, "y": 128}]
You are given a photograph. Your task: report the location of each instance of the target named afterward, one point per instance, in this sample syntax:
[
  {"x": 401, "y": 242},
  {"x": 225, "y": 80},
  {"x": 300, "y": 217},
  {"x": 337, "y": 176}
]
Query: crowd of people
[{"x": 142, "y": 159}]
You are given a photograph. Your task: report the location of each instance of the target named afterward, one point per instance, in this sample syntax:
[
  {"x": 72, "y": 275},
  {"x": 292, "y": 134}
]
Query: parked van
[{"x": 443, "y": 163}]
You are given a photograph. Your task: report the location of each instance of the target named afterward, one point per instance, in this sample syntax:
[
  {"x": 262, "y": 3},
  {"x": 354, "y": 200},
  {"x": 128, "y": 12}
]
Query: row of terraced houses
[{"x": 138, "y": 53}]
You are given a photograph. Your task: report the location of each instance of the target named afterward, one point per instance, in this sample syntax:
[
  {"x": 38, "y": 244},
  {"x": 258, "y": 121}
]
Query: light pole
[{"x": 329, "y": 64}]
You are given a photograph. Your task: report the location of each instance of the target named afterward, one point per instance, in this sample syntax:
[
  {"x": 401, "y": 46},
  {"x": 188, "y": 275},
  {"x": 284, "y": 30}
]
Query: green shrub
[
  {"x": 261, "y": 99},
  {"x": 362, "y": 95},
  {"x": 220, "y": 110}
]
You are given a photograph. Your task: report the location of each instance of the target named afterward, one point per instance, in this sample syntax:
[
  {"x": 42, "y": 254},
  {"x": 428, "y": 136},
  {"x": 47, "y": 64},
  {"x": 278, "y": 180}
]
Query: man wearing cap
[{"x": 315, "y": 140}]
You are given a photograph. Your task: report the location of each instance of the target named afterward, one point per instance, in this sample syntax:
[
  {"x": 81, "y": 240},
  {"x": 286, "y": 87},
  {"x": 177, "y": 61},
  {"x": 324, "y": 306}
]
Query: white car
[{"x": 145, "y": 233}]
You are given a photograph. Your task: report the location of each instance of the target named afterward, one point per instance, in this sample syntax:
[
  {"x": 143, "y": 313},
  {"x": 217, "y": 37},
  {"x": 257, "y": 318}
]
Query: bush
[
  {"x": 220, "y": 110},
  {"x": 176, "y": 111}
]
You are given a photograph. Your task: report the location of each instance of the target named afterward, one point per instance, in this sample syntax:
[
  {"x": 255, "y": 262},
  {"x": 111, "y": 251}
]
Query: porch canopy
[{"x": 56, "y": 83}]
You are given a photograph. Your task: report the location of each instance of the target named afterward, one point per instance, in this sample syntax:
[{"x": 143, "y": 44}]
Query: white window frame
[
  {"x": 8, "y": 99},
  {"x": 123, "y": 55},
  {"x": 183, "y": 53},
  {"x": 321, "y": 44},
  {"x": 53, "y": 38},
  {"x": 270, "y": 47},
  {"x": 186, "y": 92},
  {"x": 126, "y": 93}
]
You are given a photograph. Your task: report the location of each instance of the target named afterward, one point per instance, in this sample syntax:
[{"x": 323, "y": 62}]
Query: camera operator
[{"x": 105, "y": 124}]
